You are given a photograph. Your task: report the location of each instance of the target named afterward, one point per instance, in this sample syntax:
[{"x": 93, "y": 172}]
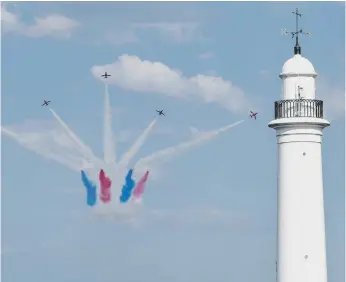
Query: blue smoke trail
[
  {"x": 90, "y": 189},
  {"x": 127, "y": 188}
]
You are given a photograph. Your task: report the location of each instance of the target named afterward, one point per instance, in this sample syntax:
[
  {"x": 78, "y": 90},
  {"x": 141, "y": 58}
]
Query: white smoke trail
[
  {"x": 108, "y": 143},
  {"x": 135, "y": 147},
  {"x": 82, "y": 148},
  {"x": 10, "y": 134},
  {"x": 41, "y": 151},
  {"x": 117, "y": 176},
  {"x": 175, "y": 149}
]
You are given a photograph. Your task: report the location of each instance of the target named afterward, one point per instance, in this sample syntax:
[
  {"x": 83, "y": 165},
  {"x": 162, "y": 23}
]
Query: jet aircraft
[
  {"x": 252, "y": 114},
  {"x": 106, "y": 75},
  {"x": 45, "y": 103},
  {"x": 160, "y": 112}
]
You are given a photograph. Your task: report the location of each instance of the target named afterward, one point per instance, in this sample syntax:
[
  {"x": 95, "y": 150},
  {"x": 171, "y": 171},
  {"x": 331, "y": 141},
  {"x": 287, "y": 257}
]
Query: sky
[{"x": 209, "y": 213}]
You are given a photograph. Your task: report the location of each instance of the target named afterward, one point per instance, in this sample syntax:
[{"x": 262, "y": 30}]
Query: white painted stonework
[
  {"x": 298, "y": 71},
  {"x": 301, "y": 247}
]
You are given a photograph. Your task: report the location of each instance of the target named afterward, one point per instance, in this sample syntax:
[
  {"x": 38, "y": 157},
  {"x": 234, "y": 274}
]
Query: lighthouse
[{"x": 299, "y": 123}]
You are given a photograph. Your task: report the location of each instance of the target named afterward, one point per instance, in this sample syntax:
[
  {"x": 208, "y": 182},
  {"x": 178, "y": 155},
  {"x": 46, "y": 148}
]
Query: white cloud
[
  {"x": 206, "y": 55},
  {"x": 54, "y": 25},
  {"x": 180, "y": 32},
  {"x": 8, "y": 18},
  {"x": 130, "y": 32},
  {"x": 132, "y": 73},
  {"x": 133, "y": 32}
]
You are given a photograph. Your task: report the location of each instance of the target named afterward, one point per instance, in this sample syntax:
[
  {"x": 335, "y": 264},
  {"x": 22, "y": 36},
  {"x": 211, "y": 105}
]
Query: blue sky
[{"x": 49, "y": 233}]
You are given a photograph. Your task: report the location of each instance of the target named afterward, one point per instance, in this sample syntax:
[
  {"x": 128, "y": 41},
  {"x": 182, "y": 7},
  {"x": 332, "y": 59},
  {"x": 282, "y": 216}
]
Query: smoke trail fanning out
[
  {"x": 176, "y": 149},
  {"x": 82, "y": 148},
  {"x": 93, "y": 169},
  {"x": 10, "y": 134},
  {"x": 139, "y": 189},
  {"x": 138, "y": 144},
  {"x": 127, "y": 188},
  {"x": 108, "y": 143},
  {"x": 42, "y": 151},
  {"x": 90, "y": 188},
  {"x": 105, "y": 183}
]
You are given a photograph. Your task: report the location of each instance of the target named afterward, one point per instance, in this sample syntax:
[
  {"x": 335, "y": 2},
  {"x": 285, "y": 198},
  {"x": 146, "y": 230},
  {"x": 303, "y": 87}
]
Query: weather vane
[{"x": 297, "y": 49}]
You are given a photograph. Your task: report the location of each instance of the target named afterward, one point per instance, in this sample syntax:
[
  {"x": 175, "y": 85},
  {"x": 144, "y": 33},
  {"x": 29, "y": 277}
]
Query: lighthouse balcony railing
[{"x": 298, "y": 108}]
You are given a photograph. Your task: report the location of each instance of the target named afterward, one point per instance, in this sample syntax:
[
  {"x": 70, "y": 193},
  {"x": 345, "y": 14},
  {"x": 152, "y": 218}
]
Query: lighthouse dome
[{"x": 298, "y": 65}]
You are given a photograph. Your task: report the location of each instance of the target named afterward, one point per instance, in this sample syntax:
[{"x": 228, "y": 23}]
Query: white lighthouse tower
[{"x": 299, "y": 122}]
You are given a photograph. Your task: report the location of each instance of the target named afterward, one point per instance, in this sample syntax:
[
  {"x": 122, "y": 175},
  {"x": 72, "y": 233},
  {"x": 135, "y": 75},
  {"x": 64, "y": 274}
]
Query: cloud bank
[
  {"x": 132, "y": 73},
  {"x": 178, "y": 32},
  {"x": 53, "y": 25}
]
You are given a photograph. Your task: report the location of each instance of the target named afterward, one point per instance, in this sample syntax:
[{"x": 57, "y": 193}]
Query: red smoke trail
[
  {"x": 105, "y": 183},
  {"x": 139, "y": 189}
]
